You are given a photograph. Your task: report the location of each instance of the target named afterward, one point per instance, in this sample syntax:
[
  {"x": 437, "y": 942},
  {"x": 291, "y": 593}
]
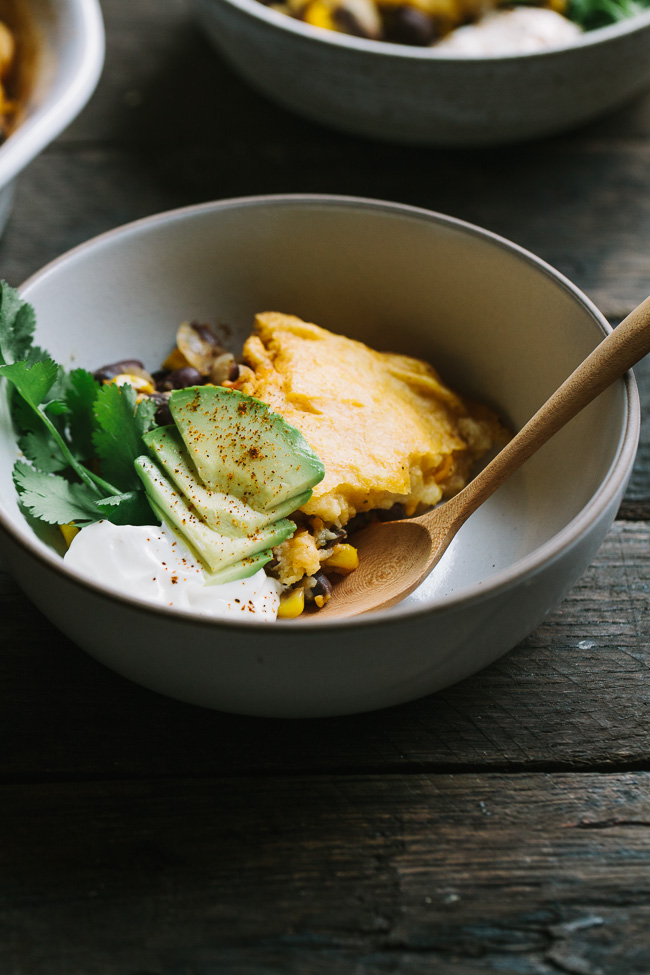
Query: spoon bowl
[
  {"x": 388, "y": 551},
  {"x": 394, "y": 557}
]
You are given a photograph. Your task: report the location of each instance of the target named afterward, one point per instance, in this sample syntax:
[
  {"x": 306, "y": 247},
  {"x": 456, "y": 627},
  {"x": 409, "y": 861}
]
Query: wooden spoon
[{"x": 395, "y": 556}]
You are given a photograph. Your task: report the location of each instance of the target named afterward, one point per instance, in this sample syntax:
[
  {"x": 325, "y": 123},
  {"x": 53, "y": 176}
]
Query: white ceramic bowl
[
  {"x": 69, "y": 39},
  {"x": 422, "y": 95},
  {"x": 500, "y": 324}
]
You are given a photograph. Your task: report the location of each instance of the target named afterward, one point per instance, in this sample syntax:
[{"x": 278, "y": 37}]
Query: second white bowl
[{"x": 422, "y": 95}]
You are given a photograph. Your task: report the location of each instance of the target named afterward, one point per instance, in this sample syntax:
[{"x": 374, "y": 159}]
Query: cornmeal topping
[{"x": 386, "y": 427}]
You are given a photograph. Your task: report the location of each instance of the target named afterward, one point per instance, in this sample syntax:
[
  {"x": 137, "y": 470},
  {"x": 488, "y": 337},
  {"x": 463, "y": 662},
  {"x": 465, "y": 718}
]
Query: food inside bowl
[
  {"x": 19, "y": 50},
  {"x": 8, "y": 99},
  {"x": 474, "y": 27},
  {"x": 258, "y": 468}
]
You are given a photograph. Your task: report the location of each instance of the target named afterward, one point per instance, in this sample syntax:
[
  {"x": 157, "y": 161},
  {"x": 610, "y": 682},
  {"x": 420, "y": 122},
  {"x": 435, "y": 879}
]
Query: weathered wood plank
[
  {"x": 203, "y": 845},
  {"x": 636, "y": 504},
  {"x": 466, "y": 873},
  {"x": 574, "y": 695}
]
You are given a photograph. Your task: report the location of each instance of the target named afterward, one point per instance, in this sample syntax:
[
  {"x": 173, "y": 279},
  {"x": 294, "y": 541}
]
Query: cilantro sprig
[
  {"x": 79, "y": 439},
  {"x": 591, "y": 14}
]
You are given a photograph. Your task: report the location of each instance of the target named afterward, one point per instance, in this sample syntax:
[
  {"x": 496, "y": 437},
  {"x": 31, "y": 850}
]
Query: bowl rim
[
  {"x": 53, "y": 115},
  {"x": 281, "y": 21},
  {"x": 520, "y": 571}
]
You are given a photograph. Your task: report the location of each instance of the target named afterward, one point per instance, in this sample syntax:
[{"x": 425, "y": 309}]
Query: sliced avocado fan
[
  {"x": 240, "y": 447},
  {"x": 225, "y": 477},
  {"x": 223, "y": 512},
  {"x": 214, "y": 549}
]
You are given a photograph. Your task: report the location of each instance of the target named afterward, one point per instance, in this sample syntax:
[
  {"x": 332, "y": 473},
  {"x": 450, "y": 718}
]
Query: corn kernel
[
  {"x": 140, "y": 384},
  {"x": 175, "y": 360},
  {"x": 68, "y": 532},
  {"x": 291, "y": 604},
  {"x": 344, "y": 558},
  {"x": 318, "y": 14}
]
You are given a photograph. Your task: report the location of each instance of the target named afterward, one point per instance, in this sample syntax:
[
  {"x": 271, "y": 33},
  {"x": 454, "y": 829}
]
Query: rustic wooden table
[{"x": 502, "y": 826}]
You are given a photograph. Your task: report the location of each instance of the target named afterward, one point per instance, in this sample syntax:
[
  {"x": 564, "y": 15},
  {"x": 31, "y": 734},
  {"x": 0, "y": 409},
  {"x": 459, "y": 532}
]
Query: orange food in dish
[{"x": 387, "y": 428}]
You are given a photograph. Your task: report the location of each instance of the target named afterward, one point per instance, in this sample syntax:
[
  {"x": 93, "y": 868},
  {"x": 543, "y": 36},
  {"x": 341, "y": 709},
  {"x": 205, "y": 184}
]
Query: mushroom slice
[{"x": 199, "y": 345}]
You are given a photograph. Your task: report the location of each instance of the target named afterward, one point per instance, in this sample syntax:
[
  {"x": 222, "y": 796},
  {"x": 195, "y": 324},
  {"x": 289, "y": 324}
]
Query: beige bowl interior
[{"x": 499, "y": 325}]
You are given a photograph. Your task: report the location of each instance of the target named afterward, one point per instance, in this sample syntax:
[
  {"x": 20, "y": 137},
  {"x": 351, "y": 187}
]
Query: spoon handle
[{"x": 610, "y": 360}]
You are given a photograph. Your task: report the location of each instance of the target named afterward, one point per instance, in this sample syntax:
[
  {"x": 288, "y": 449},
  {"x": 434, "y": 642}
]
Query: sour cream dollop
[
  {"x": 517, "y": 31},
  {"x": 151, "y": 563}
]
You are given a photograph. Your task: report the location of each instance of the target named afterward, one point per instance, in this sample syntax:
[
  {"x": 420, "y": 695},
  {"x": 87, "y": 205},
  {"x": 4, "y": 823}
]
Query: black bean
[
  {"x": 116, "y": 369},
  {"x": 233, "y": 372},
  {"x": 162, "y": 416},
  {"x": 321, "y": 586},
  {"x": 359, "y": 521},
  {"x": 408, "y": 25},
  {"x": 187, "y": 376},
  {"x": 160, "y": 379}
]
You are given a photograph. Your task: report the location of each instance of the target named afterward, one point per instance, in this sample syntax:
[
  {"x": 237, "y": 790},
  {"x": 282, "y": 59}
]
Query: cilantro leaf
[
  {"x": 32, "y": 382},
  {"x": 130, "y": 508},
  {"x": 65, "y": 420},
  {"x": 80, "y": 395},
  {"x": 55, "y": 407},
  {"x": 43, "y": 450},
  {"x": 35, "y": 354},
  {"x": 57, "y": 501},
  {"x": 17, "y": 323},
  {"x": 54, "y": 499},
  {"x": 591, "y": 14},
  {"x": 26, "y": 419},
  {"x": 117, "y": 439}
]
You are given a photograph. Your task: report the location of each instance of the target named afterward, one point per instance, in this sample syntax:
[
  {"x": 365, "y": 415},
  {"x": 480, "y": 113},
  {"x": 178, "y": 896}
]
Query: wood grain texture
[
  {"x": 500, "y": 827},
  {"x": 360, "y": 874},
  {"x": 636, "y": 504},
  {"x": 574, "y": 695}
]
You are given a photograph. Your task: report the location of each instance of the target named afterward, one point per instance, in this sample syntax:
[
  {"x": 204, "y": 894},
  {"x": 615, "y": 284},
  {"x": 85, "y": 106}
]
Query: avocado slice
[
  {"x": 213, "y": 549},
  {"x": 239, "y": 570},
  {"x": 223, "y": 512},
  {"x": 239, "y": 446},
  {"x": 230, "y": 573}
]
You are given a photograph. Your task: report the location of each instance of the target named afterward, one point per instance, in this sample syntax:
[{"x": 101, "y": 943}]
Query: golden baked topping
[{"x": 385, "y": 426}]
